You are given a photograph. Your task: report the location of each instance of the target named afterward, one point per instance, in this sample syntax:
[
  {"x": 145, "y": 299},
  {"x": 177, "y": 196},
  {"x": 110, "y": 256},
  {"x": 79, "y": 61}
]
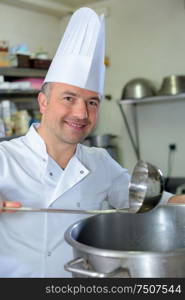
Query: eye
[
  {"x": 68, "y": 98},
  {"x": 94, "y": 103}
]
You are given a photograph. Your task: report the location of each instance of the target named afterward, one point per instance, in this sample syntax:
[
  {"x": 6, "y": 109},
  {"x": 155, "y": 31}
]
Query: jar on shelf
[
  {"x": 6, "y": 116},
  {"x": 2, "y": 128},
  {"x": 20, "y": 122}
]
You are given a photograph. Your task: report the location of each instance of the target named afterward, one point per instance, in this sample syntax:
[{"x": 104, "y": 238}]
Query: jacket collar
[
  {"x": 34, "y": 140},
  {"x": 73, "y": 173}
]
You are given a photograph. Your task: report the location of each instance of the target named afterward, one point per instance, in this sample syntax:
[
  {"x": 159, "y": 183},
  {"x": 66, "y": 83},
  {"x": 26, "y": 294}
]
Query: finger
[
  {"x": 10, "y": 204},
  {"x": 177, "y": 199}
]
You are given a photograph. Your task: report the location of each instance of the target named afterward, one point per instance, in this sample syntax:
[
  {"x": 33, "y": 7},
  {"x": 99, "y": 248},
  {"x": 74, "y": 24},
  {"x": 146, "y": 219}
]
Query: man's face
[{"x": 70, "y": 113}]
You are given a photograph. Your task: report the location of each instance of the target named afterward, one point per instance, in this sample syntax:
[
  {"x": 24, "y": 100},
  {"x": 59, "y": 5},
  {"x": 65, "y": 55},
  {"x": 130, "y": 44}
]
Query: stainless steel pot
[
  {"x": 101, "y": 140},
  {"x": 130, "y": 245}
]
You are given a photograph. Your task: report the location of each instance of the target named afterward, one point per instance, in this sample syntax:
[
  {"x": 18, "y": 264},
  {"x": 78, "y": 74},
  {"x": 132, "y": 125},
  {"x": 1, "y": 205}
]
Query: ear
[{"x": 42, "y": 101}]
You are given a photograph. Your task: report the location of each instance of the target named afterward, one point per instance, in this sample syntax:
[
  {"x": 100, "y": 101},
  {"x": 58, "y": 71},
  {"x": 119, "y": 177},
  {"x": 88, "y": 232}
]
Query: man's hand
[
  {"x": 178, "y": 199},
  {"x": 9, "y": 204}
]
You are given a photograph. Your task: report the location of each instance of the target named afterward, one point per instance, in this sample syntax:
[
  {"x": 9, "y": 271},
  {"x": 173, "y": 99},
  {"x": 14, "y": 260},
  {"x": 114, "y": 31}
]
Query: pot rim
[{"x": 115, "y": 253}]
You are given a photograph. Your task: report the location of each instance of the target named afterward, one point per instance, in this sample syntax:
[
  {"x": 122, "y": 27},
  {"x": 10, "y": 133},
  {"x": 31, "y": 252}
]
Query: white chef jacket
[{"x": 32, "y": 244}]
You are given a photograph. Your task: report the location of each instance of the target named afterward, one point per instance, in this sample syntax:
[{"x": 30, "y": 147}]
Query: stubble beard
[{"x": 64, "y": 138}]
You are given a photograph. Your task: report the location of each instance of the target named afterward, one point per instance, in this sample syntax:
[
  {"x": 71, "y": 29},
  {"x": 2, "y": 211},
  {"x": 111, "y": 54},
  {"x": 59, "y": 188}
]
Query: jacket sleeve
[
  {"x": 165, "y": 197},
  {"x": 119, "y": 190}
]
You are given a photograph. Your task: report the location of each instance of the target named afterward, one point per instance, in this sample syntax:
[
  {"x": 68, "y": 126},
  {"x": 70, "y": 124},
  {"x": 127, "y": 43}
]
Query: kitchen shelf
[
  {"x": 22, "y": 72},
  {"x": 18, "y": 92},
  {"x": 134, "y": 102},
  {"x": 8, "y": 138},
  {"x": 153, "y": 99},
  {"x": 24, "y": 98}
]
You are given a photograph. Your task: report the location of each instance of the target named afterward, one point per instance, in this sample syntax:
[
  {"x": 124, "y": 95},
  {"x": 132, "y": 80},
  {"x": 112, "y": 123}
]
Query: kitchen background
[{"x": 144, "y": 39}]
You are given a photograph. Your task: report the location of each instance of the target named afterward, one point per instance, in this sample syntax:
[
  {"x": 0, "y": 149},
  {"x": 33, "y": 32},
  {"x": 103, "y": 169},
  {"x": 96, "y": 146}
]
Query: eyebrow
[
  {"x": 95, "y": 98},
  {"x": 70, "y": 93},
  {"x": 77, "y": 95}
]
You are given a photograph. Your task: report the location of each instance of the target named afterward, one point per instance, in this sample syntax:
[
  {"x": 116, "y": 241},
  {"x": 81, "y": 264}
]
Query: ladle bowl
[{"x": 146, "y": 187}]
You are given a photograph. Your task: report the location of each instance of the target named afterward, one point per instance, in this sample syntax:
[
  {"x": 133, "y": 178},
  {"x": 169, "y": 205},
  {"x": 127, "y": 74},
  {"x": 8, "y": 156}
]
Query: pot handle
[{"x": 76, "y": 266}]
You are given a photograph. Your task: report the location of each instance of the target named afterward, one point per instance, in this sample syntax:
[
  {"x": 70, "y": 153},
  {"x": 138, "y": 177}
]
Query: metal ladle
[
  {"x": 146, "y": 187},
  {"x": 145, "y": 192}
]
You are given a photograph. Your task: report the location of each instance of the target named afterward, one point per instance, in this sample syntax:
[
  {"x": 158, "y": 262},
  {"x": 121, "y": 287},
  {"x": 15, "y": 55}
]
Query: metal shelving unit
[
  {"x": 22, "y": 72},
  {"x": 10, "y": 72},
  {"x": 18, "y": 92},
  {"x": 8, "y": 138},
  {"x": 23, "y": 98},
  {"x": 144, "y": 101}
]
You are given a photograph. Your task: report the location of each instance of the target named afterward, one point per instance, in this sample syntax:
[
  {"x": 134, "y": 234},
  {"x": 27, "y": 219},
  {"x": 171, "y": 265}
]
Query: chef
[{"x": 49, "y": 168}]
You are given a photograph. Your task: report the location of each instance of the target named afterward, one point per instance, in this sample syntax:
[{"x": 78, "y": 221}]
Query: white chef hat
[{"x": 79, "y": 59}]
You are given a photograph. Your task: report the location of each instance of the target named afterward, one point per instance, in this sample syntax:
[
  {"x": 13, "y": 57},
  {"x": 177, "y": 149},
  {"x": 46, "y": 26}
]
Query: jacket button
[
  {"x": 51, "y": 174},
  {"x": 81, "y": 172},
  {"x": 49, "y": 253}
]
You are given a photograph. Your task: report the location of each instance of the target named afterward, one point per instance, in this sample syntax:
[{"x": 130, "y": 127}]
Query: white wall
[
  {"x": 35, "y": 29},
  {"x": 145, "y": 38}
]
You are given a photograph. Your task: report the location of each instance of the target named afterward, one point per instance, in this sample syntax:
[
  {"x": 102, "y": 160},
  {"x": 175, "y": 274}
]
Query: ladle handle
[{"x": 68, "y": 211}]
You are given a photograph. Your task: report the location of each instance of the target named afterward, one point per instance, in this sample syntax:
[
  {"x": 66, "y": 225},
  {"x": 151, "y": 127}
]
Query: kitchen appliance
[
  {"x": 172, "y": 85},
  {"x": 100, "y": 140},
  {"x": 181, "y": 189},
  {"x": 138, "y": 88},
  {"x": 131, "y": 245},
  {"x": 113, "y": 151},
  {"x": 174, "y": 185},
  {"x": 103, "y": 141}
]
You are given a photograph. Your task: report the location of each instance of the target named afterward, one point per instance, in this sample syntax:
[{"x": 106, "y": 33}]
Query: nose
[{"x": 80, "y": 110}]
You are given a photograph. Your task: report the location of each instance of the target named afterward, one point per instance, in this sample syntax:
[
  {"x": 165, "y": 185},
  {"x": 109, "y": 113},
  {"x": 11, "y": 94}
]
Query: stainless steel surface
[
  {"x": 77, "y": 266},
  {"x": 172, "y": 85},
  {"x": 145, "y": 191},
  {"x": 101, "y": 140},
  {"x": 138, "y": 88},
  {"x": 113, "y": 151},
  {"x": 64, "y": 211},
  {"x": 149, "y": 245},
  {"x": 146, "y": 187}
]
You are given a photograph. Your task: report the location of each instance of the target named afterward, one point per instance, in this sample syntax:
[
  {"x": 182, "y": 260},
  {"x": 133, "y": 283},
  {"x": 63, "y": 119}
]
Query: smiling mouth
[{"x": 76, "y": 126}]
